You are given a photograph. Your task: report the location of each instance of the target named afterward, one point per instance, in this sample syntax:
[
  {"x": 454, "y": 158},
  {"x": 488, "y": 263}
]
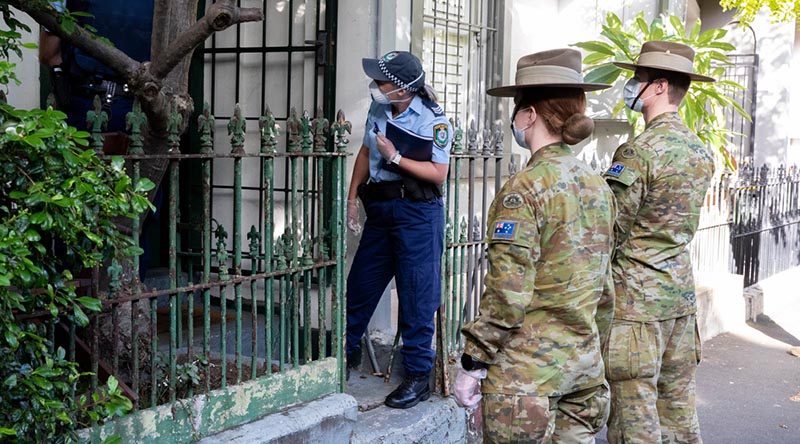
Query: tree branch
[
  {"x": 218, "y": 17},
  {"x": 108, "y": 55}
]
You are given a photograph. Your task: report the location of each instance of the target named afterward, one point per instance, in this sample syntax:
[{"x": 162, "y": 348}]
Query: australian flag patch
[
  {"x": 616, "y": 169},
  {"x": 504, "y": 230}
]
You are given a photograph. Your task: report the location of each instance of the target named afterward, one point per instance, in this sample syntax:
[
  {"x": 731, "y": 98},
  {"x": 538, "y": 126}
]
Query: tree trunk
[{"x": 164, "y": 79}]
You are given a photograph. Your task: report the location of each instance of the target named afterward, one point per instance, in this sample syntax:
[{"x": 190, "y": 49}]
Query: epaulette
[{"x": 434, "y": 107}]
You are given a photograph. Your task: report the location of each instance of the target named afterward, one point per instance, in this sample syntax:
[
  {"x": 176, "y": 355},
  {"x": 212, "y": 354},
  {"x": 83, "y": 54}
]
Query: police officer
[
  {"x": 547, "y": 300},
  {"x": 76, "y": 77},
  {"x": 404, "y": 231},
  {"x": 659, "y": 179}
]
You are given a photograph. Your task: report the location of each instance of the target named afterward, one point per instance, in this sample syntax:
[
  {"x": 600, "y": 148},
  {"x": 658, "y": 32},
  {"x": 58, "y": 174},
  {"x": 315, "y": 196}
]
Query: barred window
[{"x": 460, "y": 51}]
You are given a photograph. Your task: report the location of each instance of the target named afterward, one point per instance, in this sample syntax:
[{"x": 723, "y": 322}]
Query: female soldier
[
  {"x": 398, "y": 176},
  {"x": 537, "y": 339}
]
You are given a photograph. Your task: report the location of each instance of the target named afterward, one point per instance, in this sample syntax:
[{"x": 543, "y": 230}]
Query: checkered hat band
[{"x": 396, "y": 81}]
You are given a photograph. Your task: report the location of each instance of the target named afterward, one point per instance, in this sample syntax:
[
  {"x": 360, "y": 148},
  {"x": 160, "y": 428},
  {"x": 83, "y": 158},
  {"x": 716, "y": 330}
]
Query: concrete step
[
  {"x": 329, "y": 419},
  {"x": 437, "y": 420}
]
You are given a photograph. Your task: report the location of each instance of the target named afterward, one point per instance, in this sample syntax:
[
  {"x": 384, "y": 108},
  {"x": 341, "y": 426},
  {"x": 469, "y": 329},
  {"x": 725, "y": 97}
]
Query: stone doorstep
[
  {"x": 435, "y": 421},
  {"x": 342, "y": 418}
]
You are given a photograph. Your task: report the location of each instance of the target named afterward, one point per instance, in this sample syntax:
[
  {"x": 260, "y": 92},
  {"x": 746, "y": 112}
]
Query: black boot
[
  {"x": 411, "y": 391},
  {"x": 353, "y": 362}
]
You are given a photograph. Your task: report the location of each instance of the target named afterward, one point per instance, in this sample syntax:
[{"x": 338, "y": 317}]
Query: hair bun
[{"x": 576, "y": 128}]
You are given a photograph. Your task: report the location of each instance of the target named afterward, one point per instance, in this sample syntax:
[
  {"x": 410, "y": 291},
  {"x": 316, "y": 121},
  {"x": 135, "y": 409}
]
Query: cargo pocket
[
  {"x": 589, "y": 408},
  {"x": 631, "y": 351}
]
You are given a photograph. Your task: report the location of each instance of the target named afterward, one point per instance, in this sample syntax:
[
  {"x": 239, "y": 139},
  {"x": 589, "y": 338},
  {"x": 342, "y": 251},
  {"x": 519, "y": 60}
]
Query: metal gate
[
  {"x": 462, "y": 52},
  {"x": 253, "y": 236},
  {"x": 744, "y": 71}
]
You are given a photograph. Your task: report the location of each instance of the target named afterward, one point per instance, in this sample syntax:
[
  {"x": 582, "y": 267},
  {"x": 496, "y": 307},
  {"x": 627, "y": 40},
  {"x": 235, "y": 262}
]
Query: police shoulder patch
[
  {"x": 504, "y": 229},
  {"x": 616, "y": 169},
  {"x": 512, "y": 200},
  {"x": 441, "y": 134}
]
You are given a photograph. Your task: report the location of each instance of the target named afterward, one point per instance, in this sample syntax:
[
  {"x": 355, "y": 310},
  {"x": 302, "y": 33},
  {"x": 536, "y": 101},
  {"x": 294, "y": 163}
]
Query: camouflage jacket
[
  {"x": 659, "y": 180},
  {"x": 550, "y": 237}
]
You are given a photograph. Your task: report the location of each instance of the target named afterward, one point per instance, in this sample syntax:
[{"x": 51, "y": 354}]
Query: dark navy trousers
[{"x": 402, "y": 239}]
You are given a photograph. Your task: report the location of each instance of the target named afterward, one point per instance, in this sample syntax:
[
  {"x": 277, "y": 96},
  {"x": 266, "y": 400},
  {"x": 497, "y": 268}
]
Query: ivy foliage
[{"x": 59, "y": 201}]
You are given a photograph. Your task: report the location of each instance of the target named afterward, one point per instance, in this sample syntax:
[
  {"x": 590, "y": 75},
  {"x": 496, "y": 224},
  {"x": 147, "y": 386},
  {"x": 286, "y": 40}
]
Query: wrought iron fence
[
  {"x": 474, "y": 176},
  {"x": 229, "y": 313},
  {"x": 750, "y": 225}
]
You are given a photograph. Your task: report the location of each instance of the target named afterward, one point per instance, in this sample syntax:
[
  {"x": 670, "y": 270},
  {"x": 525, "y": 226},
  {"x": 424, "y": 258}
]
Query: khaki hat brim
[
  {"x": 511, "y": 90},
  {"x": 694, "y": 77}
]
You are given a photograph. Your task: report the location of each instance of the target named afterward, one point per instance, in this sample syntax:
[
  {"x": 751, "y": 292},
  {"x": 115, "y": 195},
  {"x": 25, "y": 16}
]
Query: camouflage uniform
[
  {"x": 659, "y": 180},
  {"x": 541, "y": 316}
]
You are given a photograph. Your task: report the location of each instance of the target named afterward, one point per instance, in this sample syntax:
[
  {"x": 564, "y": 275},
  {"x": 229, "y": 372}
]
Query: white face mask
[
  {"x": 382, "y": 97},
  {"x": 519, "y": 134},
  {"x": 632, "y": 96}
]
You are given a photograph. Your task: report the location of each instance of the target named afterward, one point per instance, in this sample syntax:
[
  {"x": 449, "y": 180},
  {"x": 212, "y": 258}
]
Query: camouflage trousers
[
  {"x": 651, "y": 369},
  {"x": 572, "y": 418}
]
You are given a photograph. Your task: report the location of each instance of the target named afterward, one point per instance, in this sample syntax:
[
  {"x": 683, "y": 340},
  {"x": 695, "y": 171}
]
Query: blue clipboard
[{"x": 411, "y": 145}]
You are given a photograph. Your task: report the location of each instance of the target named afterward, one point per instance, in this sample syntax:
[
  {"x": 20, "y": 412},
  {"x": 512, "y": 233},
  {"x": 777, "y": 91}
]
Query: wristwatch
[
  {"x": 396, "y": 158},
  {"x": 469, "y": 363}
]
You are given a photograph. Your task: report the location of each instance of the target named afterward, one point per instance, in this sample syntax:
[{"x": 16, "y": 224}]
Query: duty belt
[{"x": 106, "y": 89}]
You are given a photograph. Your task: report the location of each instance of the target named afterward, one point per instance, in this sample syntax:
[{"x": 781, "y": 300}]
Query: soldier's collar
[
  {"x": 663, "y": 117},
  {"x": 553, "y": 150}
]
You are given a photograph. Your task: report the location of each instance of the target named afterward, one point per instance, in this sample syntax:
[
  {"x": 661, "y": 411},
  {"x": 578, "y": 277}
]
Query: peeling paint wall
[{"x": 191, "y": 419}]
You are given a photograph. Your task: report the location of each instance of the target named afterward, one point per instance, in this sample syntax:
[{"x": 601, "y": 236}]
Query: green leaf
[
  {"x": 677, "y": 25},
  {"x": 603, "y": 74},
  {"x": 11, "y": 381},
  {"x": 79, "y": 315},
  {"x": 68, "y": 25},
  {"x": 113, "y": 384},
  {"x": 7, "y": 432},
  {"x": 117, "y": 163},
  {"x": 641, "y": 24},
  {"x": 92, "y": 304},
  {"x": 613, "y": 20},
  {"x": 144, "y": 185},
  {"x": 596, "y": 46},
  {"x": 695, "y": 30},
  {"x": 595, "y": 58},
  {"x": 133, "y": 251},
  {"x": 122, "y": 184},
  {"x": 724, "y": 46},
  {"x": 11, "y": 339}
]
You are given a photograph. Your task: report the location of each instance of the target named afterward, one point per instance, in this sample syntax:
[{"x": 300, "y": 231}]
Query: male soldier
[{"x": 659, "y": 180}]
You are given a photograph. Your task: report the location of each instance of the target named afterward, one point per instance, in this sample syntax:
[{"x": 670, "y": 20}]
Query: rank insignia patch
[{"x": 504, "y": 230}]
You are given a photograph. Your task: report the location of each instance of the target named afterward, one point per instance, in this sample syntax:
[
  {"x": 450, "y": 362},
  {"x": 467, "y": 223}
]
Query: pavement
[{"x": 748, "y": 387}]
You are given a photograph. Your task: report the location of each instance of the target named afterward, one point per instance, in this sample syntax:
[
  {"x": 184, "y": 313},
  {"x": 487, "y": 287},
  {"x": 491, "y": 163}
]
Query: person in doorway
[
  {"x": 660, "y": 180},
  {"x": 76, "y": 78},
  {"x": 398, "y": 175},
  {"x": 548, "y": 300}
]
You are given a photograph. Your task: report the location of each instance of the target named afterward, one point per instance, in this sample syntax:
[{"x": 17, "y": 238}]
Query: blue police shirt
[{"x": 417, "y": 118}]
